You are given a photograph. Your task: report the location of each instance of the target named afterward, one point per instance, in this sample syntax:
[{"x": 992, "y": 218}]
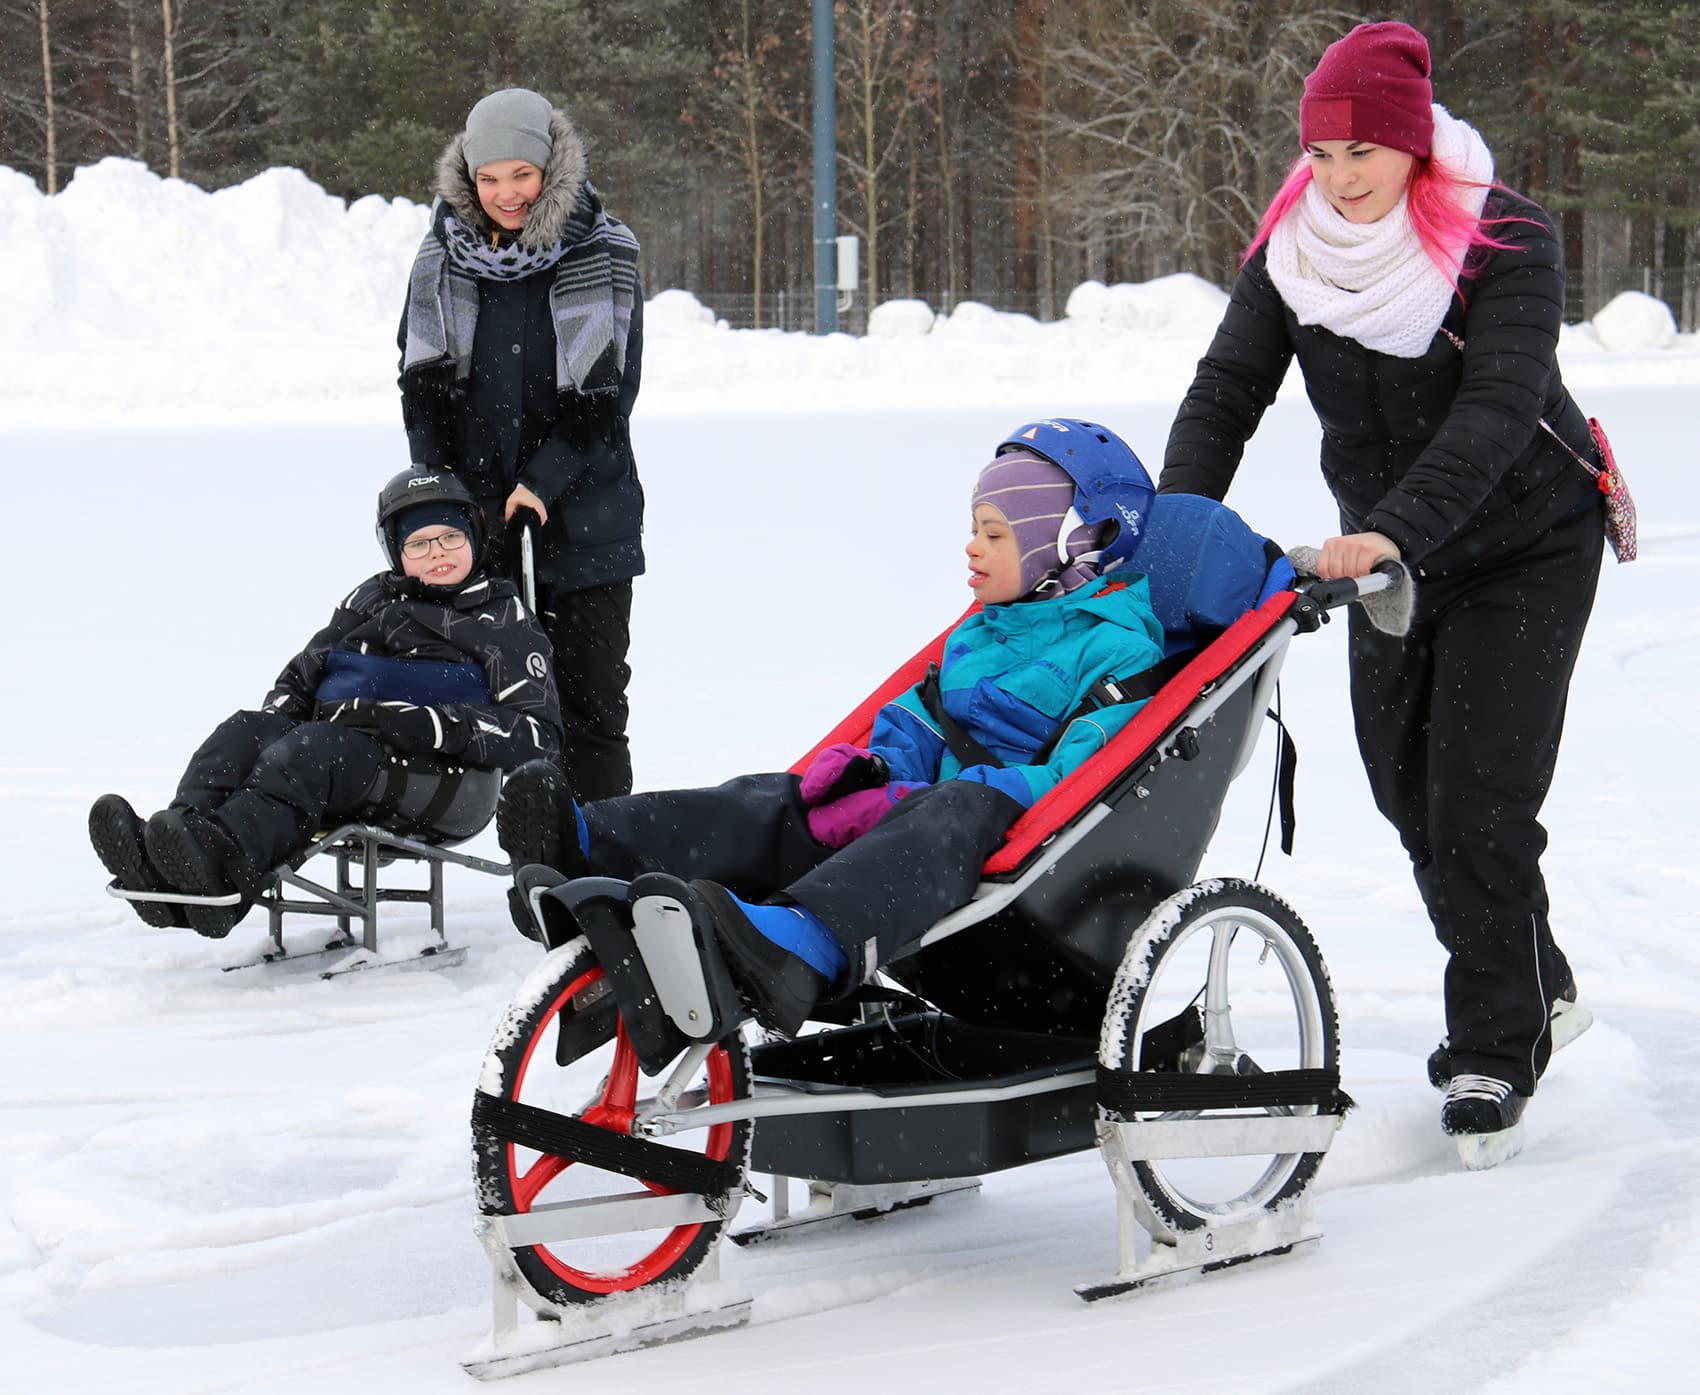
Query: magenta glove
[
  {"x": 839, "y": 770},
  {"x": 846, "y": 819}
]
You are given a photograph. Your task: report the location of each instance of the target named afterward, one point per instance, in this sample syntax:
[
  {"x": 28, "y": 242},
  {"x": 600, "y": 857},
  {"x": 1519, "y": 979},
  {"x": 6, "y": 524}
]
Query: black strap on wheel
[
  {"x": 1139, "y": 1092},
  {"x": 562, "y": 1136}
]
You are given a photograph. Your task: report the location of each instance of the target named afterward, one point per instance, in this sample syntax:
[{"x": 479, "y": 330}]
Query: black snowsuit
[
  {"x": 270, "y": 779},
  {"x": 508, "y": 425},
  {"x": 751, "y": 834},
  {"x": 1458, "y": 723}
]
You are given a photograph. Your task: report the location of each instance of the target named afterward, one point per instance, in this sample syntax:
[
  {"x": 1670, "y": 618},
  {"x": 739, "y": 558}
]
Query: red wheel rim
[{"x": 614, "y": 1111}]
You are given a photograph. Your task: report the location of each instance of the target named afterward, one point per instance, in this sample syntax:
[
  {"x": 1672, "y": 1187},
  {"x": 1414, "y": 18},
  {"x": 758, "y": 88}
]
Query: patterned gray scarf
[{"x": 591, "y": 296}]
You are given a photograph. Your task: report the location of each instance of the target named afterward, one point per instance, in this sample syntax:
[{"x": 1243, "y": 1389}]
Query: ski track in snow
[{"x": 223, "y": 1182}]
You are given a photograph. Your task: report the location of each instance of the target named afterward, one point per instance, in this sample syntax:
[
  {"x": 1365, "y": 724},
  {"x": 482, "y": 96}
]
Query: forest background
[{"x": 1002, "y": 153}]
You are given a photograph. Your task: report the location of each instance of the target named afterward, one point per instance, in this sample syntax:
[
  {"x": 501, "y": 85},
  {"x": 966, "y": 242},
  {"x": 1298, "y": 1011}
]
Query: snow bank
[
  {"x": 1633, "y": 321},
  {"x": 131, "y": 299}
]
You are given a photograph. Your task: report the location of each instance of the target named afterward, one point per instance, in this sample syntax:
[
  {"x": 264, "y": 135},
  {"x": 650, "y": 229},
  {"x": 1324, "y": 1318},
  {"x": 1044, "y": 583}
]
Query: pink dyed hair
[{"x": 1431, "y": 200}]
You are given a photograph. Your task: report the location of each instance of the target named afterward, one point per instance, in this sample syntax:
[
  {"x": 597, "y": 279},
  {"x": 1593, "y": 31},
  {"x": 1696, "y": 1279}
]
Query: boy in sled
[
  {"x": 809, "y": 882},
  {"x": 432, "y": 658}
]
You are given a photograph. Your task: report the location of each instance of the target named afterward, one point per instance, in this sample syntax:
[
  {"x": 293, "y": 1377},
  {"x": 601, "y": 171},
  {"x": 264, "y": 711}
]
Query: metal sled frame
[{"x": 351, "y": 898}]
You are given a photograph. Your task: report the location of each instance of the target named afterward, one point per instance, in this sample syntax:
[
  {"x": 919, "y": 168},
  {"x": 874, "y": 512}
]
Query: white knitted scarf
[{"x": 1372, "y": 281}]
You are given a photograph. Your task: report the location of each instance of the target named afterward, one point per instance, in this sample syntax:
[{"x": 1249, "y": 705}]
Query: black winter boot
[
  {"x": 780, "y": 988},
  {"x": 194, "y": 855},
  {"x": 537, "y": 824},
  {"x": 116, "y": 832}
]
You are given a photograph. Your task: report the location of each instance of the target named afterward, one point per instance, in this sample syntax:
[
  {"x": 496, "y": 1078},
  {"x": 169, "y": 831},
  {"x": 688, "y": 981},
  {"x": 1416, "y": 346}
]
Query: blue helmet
[{"x": 1109, "y": 481}]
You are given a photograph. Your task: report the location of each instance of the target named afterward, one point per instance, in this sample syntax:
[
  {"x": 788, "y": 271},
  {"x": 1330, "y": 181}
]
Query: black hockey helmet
[{"x": 420, "y": 484}]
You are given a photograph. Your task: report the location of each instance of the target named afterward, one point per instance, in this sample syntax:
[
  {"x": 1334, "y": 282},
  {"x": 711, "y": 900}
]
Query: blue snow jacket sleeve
[{"x": 1011, "y": 674}]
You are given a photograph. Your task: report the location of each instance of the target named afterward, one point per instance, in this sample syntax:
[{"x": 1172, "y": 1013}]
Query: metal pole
[{"x": 826, "y": 173}]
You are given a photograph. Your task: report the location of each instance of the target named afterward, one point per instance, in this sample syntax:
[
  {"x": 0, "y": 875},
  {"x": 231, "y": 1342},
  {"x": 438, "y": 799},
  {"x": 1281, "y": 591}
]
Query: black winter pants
[
  {"x": 751, "y": 835},
  {"x": 590, "y": 631},
  {"x": 1458, "y": 724},
  {"x": 272, "y": 783}
]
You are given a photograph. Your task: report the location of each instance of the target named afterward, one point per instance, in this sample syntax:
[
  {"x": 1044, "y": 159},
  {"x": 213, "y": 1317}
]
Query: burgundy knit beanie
[
  {"x": 1035, "y": 497},
  {"x": 1373, "y": 85}
]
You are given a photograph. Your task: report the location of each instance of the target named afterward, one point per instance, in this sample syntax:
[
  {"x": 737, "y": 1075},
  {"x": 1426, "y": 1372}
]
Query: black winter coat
[
  {"x": 1443, "y": 454},
  {"x": 482, "y": 621},
  {"x": 508, "y": 425}
]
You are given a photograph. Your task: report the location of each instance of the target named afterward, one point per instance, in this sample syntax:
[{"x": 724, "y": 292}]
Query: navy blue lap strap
[{"x": 426, "y": 682}]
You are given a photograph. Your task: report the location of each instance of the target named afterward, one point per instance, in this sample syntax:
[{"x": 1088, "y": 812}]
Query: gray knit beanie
[{"x": 512, "y": 124}]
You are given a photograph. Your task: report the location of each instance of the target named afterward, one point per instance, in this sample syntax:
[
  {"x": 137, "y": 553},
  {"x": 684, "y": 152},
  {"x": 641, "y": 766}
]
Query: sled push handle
[
  {"x": 528, "y": 569},
  {"x": 1387, "y": 593}
]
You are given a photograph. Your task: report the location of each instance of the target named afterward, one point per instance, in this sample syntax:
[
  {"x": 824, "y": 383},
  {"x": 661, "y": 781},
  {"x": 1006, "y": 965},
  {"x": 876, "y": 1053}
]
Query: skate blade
[
  {"x": 1159, "y": 1272},
  {"x": 1569, "y": 1021},
  {"x": 538, "y": 1348},
  {"x": 338, "y": 959},
  {"x": 1480, "y": 1151}
]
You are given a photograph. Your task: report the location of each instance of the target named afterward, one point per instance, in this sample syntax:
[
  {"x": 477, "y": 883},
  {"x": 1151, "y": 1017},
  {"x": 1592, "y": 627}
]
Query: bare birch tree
[
  {"x": 47, "y": 101},
  {"x": 734, "y": 104},
  {"x": 885, "y": 74},
  {"x": 1184, "y": 119},
  {"x": 176, "y": 162}
]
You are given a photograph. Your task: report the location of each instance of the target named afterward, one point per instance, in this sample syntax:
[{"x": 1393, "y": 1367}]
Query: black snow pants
[
  {"x": 272, "y": 783},
  {"x": 590, "y": 631},
  {"x": 1458, "y": 723},
  {"x": 752, "y": 836}
]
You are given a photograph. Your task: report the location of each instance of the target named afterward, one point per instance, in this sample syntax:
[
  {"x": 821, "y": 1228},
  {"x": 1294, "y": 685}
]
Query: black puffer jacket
[
  {"x": 508, "y": 425},
  {"x": 483, "y": 621},
  {"x": 1443, "y": 453}
]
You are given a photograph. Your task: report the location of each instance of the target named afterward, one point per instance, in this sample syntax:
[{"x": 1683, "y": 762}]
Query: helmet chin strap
[
  {"x": 1071, "y": 521},
  {"x": 1050, "y": 581}
]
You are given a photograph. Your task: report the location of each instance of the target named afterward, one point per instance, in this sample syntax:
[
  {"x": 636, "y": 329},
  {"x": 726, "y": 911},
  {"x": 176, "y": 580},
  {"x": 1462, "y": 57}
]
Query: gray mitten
[{"x": 1390, "y": 610}]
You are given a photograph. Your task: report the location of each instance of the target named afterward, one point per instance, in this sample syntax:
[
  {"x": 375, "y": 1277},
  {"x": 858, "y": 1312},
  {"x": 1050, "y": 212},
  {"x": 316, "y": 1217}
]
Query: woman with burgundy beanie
[{"x": 1423, "y": 302}]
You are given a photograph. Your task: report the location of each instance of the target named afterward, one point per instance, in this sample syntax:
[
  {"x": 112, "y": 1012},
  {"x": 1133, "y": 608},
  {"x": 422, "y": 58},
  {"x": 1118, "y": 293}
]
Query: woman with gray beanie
[{"x": 521, "y": 344}]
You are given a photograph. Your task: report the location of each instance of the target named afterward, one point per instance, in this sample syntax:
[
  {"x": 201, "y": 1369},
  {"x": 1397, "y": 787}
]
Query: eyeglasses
[{"x": 451, "y": 541}]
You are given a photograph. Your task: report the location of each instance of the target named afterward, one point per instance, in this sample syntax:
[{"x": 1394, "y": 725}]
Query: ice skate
[{"x": 1484, "y": 1116}]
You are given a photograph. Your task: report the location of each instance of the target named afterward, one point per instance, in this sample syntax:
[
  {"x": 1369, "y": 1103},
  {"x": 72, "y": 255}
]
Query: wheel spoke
[{"x": 1218, "y": 1013}]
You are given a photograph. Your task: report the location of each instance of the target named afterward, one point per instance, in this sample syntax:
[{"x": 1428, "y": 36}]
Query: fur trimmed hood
[{"x": 563, "y": 179}]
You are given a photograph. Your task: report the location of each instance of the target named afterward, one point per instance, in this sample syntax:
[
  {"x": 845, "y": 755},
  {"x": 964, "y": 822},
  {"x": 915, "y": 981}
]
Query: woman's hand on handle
[
  {"x": 1354, "y": 555},
  {"x": 523, "y": 498}
]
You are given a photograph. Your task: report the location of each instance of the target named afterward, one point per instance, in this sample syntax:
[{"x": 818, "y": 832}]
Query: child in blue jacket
[{"x": 811, "y": 882}]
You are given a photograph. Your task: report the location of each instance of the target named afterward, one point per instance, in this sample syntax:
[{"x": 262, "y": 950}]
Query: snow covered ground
[{"x": 220, "y": 1182}]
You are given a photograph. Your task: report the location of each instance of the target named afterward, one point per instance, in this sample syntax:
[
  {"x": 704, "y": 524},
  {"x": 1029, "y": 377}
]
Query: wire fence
[{"x": 1589, "y": 290}]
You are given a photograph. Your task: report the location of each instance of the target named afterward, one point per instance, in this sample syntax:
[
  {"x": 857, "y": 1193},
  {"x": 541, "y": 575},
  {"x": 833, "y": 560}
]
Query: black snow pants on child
[
  {"x": 751, "y": 835},
  {"x": 271, "y": 783}
]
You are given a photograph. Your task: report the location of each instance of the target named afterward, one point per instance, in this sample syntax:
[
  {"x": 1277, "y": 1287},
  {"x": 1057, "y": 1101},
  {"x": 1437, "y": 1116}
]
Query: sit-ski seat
[
  {"x": 1217, "y": 588},
  {"x": 417, "y": 810}
]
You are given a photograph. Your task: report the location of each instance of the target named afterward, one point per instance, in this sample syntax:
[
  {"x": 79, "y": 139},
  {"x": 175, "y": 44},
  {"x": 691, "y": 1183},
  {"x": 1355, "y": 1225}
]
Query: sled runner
[{"x": 1100, "y": 998}]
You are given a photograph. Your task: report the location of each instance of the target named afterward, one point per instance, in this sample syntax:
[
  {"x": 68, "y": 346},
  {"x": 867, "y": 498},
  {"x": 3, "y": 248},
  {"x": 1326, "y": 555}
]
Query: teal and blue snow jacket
[{"x": 1010, "y": 675}]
